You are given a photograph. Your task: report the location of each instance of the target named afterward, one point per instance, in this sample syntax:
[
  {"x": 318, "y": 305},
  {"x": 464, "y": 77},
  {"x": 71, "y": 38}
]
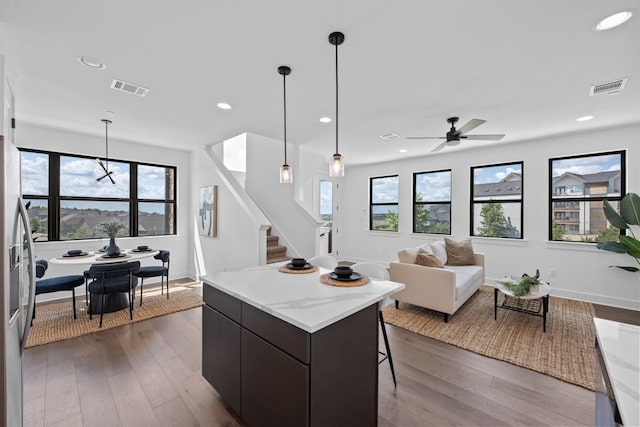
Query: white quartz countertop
[
  {"x": 300, "y": 299},
  {"x": 620, "y": 348}
]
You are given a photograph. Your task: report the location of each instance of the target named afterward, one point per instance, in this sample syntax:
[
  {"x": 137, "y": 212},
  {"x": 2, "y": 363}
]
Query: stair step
[
  {"x": 276, "y": 250},
  {"x": 279, "y": 259},
  {"x": 272, "y": 241}
]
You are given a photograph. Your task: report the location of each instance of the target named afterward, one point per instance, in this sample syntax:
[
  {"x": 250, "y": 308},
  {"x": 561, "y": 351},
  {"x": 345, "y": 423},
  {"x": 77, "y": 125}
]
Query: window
[
  {"x": 383, "y": 214},
  {"x": 68, "y": 204},
  {"x": 577, "y": 187},
  {"x": 326, "y": 202},
  {"x": 496, "y": 205},
  {"x": 432, "y": 202}
]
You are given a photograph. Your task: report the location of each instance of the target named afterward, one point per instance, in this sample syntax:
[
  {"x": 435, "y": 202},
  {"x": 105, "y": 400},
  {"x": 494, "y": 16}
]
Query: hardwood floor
[{"x": 148, "y": 374}]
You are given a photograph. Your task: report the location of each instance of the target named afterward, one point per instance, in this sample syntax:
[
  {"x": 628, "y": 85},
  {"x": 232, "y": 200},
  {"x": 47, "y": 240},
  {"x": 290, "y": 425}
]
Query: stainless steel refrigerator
[{"x": 18, "y": 283}]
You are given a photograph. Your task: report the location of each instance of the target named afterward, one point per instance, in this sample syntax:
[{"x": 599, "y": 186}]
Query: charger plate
[
  {"x": 324, "y": 278},
  {"x": 285, "y": 269}
]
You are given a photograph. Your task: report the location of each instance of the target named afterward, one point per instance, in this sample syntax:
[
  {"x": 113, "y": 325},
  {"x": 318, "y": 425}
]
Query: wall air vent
[
  {"x": 389, "y": 136},
  {"x": 129, "y": 87},
  {"x": 611, "y": 87}
]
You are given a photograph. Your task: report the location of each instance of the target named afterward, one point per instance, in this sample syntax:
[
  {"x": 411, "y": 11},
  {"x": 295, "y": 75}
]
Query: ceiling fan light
[
  {"x": 286, "y": 174},
  {"x": 336, "y": 166},
  {"x": 453, "y": 142}
]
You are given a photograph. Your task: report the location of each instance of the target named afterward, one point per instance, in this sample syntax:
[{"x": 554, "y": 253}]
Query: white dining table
[{"x": 98, "y": 257}]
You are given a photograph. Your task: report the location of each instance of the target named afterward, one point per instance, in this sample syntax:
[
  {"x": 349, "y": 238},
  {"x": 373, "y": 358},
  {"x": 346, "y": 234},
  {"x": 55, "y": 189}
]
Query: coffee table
[{"x": 535, "y": 303}]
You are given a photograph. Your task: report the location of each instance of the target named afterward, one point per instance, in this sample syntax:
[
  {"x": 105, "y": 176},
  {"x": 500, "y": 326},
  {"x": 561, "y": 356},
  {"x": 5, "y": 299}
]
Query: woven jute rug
[
  {"x": 565, "y": 351},
  {"x": 55, "y": 322}
]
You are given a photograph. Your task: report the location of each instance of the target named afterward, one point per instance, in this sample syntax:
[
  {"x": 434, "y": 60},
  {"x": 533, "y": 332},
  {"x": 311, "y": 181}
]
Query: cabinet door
[
  {"x": 221, "y": 355},
  {"x": 275, "y": 386}
]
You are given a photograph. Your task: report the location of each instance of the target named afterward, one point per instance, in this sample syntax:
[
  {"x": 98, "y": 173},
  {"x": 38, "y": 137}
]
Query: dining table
[{"x": 115, "y": 301}]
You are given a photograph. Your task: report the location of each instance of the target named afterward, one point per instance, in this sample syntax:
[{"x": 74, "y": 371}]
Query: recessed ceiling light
[
  {"x": 223, "y": 106},
  {"x": 584, "y": 118},
  {"x": 402, "y": 150},
  {"x": 324, "y": 119},
  {"x": 91, "y": 62},
  {"x": 614, "y": 20},
  {"x": 110, "y": 112}
]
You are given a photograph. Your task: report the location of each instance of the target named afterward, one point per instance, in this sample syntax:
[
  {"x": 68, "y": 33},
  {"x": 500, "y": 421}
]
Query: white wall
[
  {"x": 30, "y": 136},
  {"x": 581, "y": 270}
]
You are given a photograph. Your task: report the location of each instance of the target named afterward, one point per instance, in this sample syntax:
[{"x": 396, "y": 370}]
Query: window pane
[
  {"x": 78, "y": 178},
  {"x": 38, "y": 219},
  {"x": 434, "y": 219},
  {"x": 384, "y": 218},
  {"x": 155, "y": 218},
  {"x": 588, "y": 176},
  {"x": 384, "y": 190},
  {"x": 582, "y": 222},
  {"x": 433, "y": 187},
  {"x": 155, "y": 182},
  {"x": 34, "y": 170},
  {"x": 497, "y": 220},
  {"x": 82, "y": 219},
  {"x": 326, "y": 202},
  {"x": 497, "y": 182}
]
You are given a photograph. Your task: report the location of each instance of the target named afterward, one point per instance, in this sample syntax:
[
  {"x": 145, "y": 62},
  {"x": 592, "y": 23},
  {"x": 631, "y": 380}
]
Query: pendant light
[
  {"x": 336, "y": 165},
  {"x": 286, "y": 174},
  {"x": 104, "y": 167}
]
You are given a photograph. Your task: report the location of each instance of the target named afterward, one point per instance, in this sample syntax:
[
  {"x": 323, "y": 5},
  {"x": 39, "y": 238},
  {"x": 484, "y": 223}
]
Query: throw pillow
[
  {"x": 440, "y": 251},
  {"x": 428, "y": 260},
  {"x": 459, "y": 253},
  {"x": 408, "y": 255}
]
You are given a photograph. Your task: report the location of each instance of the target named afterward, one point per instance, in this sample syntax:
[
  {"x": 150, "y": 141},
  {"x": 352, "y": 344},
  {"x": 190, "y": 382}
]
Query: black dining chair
[
  {"x": 56, "y": 284},
  {"x": 113, "y": 278},
  {"x": 161, "y": 271}
]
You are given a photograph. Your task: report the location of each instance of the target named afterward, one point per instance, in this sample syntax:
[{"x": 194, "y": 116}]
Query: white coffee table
[{"x": 540, "y": 292}]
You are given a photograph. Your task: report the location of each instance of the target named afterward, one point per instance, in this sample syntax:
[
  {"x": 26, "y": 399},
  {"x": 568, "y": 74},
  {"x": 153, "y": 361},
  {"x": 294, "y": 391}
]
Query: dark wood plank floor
[{"x": 148, "y": 374}]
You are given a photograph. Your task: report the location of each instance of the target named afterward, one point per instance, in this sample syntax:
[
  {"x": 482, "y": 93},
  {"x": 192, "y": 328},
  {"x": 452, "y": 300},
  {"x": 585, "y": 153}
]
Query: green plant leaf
[
  {"x": 630, "y": 209},
  {"x": 631, "y": 269},
  {"x": 613, "y": 247},
  {"x": 633, "y": 245},
  {"x": 612, "y": 216}
]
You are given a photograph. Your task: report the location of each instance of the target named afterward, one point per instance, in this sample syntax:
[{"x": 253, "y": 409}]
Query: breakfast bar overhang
[{"x": 287, "y": 349}]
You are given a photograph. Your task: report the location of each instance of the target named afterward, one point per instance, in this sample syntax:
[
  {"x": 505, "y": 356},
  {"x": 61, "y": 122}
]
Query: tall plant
[{"x": 627, "y": 219}]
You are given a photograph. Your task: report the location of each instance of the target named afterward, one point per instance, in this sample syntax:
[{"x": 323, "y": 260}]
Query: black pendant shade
[{"x": 105, "y": 165}]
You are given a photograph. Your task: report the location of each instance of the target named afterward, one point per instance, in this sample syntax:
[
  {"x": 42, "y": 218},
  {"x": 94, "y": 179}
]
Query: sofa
[{"x": 444, "y": 288}]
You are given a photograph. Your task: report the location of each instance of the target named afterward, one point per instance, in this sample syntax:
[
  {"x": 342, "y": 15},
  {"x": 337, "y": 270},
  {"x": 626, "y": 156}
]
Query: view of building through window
[
  {"x": 432, "y": 202},
  {"x": 383, "y": 202},
  {"x": 578, "y": 185}
]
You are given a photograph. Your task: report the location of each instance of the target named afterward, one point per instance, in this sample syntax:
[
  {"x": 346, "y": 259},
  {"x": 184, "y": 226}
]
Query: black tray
[
  {"x": 354, "y": 276},
  {"x": 75, "y": 255},
  {"x": 120, "y": 255},
  {"x": 307, "y": 266},
  {"x": 142, "y": 250}
]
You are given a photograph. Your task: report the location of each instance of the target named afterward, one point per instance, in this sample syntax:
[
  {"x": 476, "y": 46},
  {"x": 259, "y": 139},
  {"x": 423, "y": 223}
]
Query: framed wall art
[{"x": 208, "y": 211}]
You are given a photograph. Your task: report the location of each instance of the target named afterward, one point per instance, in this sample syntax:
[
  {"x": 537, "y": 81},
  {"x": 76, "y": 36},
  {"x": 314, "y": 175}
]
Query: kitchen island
[{"x": 287, "y": 349}]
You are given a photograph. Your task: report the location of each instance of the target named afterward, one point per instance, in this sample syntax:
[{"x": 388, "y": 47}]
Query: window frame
[
  {"x": 372, "y": 204},
  {"x": 415, "y": 202},
  {"x": 54, "y": 198},
  {"x": 473, "y": 203},
  {"x": 554, "y": 198}
]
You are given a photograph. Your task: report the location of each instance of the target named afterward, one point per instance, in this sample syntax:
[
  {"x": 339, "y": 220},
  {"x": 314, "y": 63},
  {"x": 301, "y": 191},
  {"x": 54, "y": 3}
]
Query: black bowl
[
  {"x": 343, "y": 272},
  {"x": 298, "y": 262},
  {"x": 143, "y": 248},
  {"x": 74, "y": 252}
]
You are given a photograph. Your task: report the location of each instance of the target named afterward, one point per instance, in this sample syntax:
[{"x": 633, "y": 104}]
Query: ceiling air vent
[
  {"x": 389, "y": 136},
  {"x": 129, "y": 87},
  {"x": 614, "y": 86}
]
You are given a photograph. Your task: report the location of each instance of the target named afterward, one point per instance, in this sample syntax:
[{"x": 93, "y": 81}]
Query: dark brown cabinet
[{"x": 273, "y": 373}]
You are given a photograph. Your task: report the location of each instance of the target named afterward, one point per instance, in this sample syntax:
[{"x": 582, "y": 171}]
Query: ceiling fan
[{"x": 454, "y": 135}]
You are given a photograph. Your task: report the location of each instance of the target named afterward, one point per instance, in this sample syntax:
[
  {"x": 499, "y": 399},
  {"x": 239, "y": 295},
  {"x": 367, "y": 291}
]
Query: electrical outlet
[{"x": 552, "y": 272}]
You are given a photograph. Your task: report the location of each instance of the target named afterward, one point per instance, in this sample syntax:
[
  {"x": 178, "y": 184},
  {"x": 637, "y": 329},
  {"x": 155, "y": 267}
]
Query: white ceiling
[{"x": 405, "y": 66}]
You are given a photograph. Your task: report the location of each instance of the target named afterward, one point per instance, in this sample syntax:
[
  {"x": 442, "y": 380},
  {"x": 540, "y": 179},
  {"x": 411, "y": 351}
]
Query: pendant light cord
[
  {"x": 106, "y": 135},
  {"x": 336, "y": 99},
  {"x": 284, "y": 85}
]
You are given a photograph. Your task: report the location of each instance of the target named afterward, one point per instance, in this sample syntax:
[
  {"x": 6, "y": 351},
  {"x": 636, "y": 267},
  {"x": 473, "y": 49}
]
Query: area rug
[
  {"x": 565, "y": 351},
  {"x": 55, "y": 322}
]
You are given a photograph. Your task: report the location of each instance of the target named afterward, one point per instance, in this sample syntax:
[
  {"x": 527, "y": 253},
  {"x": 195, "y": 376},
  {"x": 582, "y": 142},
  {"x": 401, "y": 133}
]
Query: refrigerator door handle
[{"x": 27, "y": 238}]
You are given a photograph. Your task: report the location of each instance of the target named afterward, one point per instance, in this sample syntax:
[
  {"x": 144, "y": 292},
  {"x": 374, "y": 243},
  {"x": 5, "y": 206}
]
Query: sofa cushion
[
  {"x": 468, "y": 279},
  {"x": 428, "y": 259},
  {"x": 408, "y": 255},
  {"x": 459, "y": 253},
  {"x": 439, "y": 250}
]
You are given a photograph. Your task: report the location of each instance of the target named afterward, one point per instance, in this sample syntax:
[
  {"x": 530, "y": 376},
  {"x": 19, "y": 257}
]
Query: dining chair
[
  {"x": 156, "y": 271},
  {"x": 55, "y": 284},
  {"x": 378, "y": 271},
  {"x": 112, "y": 278},
  {"x": 325, "y": 261}
]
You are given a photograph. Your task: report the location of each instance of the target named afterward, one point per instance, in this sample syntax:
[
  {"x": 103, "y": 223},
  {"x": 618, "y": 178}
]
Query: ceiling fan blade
[
  {"x": 424, "y": 137},
  {"x": 439, "y": 147},
  {"x": 471, "y": 124},
  {"x": 495, "y": 137}
]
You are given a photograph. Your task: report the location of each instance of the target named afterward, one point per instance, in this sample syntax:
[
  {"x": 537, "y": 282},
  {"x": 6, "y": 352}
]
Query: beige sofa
[{"x": 440, "y": 289}]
